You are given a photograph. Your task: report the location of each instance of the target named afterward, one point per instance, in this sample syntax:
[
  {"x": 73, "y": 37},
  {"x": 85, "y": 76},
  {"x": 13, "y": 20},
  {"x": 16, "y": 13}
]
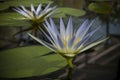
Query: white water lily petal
[
  {"x": 69, "y": 30},
  {"x": 21, "y": 12},
  {"x": 71, "y": 42},
  {"x": 50, "y": 30},
  {"x": 54, "y": 38},
  {"x": 87, "y": 37},
  {"x": 82, "y": 41},
  {"x": 43, "y": 43},
  {"x": 54, "y": 28},
  {"x": 60, "y": 43},
  {"x": 84, "y": 29},
  {"x": 81, "y": 28},
  {"x": 47, "y": 7},
  {"x": 36, "y": 15},
  {"x": 47, "y": 13},
  {"x": 48, "y": 10},
  {"x": 93, "y": 44},
  {"x": 24, "y": 9},
  {"x": 62, "y": 29},
  {"x": 51, "y": 40},
  {"x": 88, "y": 27},
  {"x": 51, "y": 12},
  {"x": 39, "y": 9},
  {"x": 32, "y": 8}
]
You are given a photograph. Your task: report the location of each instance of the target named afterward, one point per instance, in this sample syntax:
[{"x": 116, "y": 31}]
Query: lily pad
[
  {"x": 3, "y": 7},
  {"x": 101, "y": 7},
  {"x": 11, "y": 16},
  {"x": 13, "y": 19},
  {"x": 63, "y": 11},
  {"x": 14, "y": 23},
  {"x": 28, "y": 62}
]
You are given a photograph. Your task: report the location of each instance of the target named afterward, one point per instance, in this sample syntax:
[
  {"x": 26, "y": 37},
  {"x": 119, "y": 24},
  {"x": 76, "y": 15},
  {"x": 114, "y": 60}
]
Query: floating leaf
[
  {"x": 69, "y": 11},
  {"x": 11, "y": 16},
  {"x": 101, "y": 7},
  {"x": 3, "y": 7},
  {"x": 12, "y": 19},
  {"x": 28, "y": 62},
  {"x": 14, "y": 23},
  {"x": 58, "y": 15}
]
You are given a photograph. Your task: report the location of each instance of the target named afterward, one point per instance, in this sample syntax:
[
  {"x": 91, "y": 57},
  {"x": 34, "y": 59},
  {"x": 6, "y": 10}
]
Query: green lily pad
[
  {"x": 13, "y": 19},
  {"x": 28, "y": 62},
  {"x": 3, "y": 7},
  {"x": 101, "y": 7},
  {"x": 14, "y": 23},
  {"x": 11, "y": 16},
  {"x": 71, "y": 11},
  {"x": 58, "y": 15}
]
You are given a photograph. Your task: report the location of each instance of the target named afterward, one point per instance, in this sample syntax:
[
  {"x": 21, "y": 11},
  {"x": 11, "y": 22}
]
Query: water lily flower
[
  {"x": 37, "y": 15},
  {"x": 67, "y": 41}
]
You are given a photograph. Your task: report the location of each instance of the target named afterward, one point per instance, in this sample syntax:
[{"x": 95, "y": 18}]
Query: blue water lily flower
[
  {"x": 36, "y": 15},
  {"x": 67, "y": 41}
]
